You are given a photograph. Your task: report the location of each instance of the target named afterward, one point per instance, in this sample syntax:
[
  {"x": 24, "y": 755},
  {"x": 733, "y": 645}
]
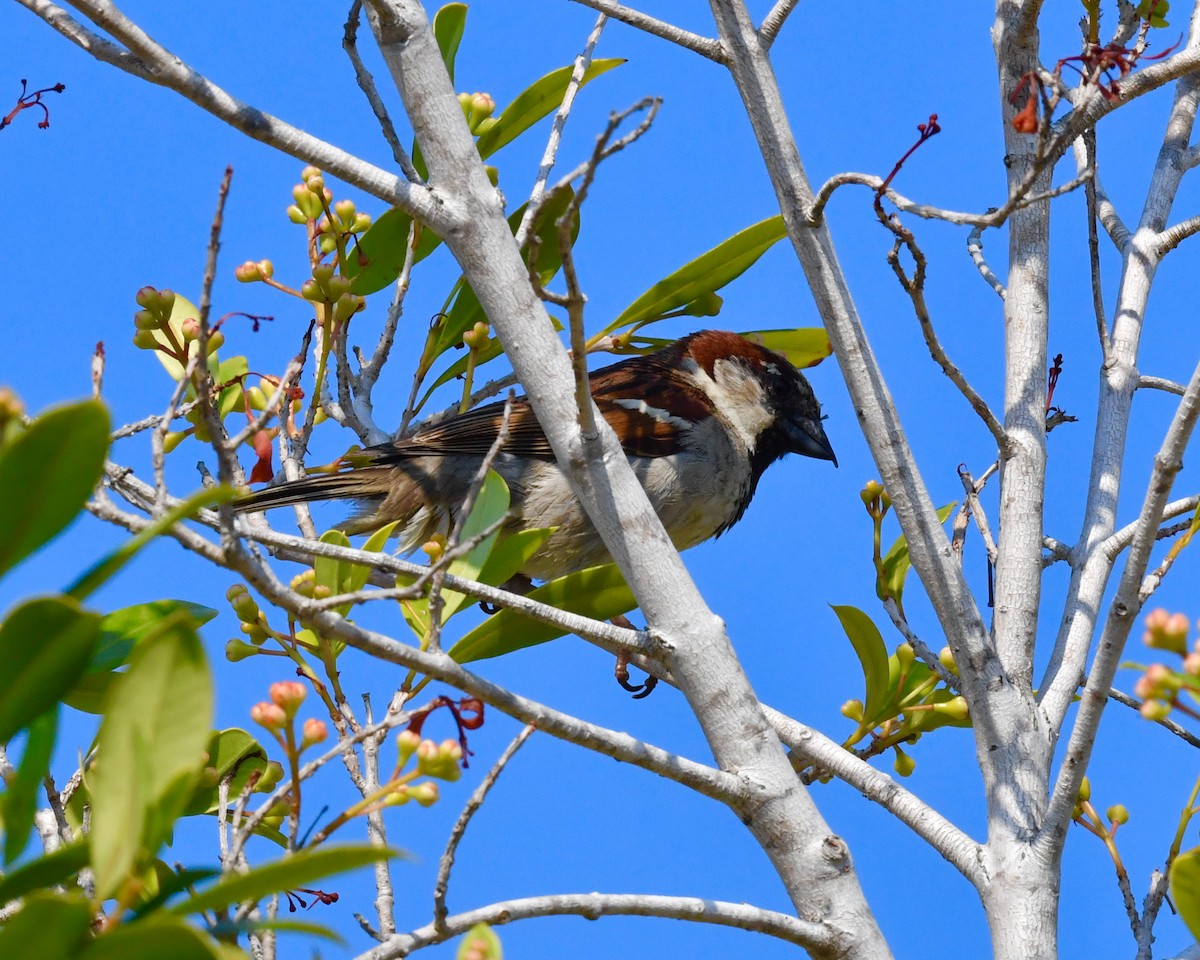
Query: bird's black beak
[{"x": 808, "y": 439}]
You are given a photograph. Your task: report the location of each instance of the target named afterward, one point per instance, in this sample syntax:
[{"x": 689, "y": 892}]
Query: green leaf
[
  {"x": 1185, "y": 888},
  {"x": 299, "y": 870},
  {"x": 706, "y": 274},
  {"x": 331, "y": 573},
  {"x": 44, "y": 872},
  {"x": 481, "y": 931},
  {"x": 448, "y": 26},
  {"x": 803, "y": 346},
  {"x": 896, "y": 562},
  {"x": 99, "y": 573},
  {"x": 360, "y": 572},
  {"x": 232, "y": 753},
  {"x": 46, "y": 476},
  {"x": 155, "y": 939},
  {"x": 538, "y": 100},
  {"x": 511, "y": 553},
  {"x": 46, "y": 927},
  {"x": 45, "y": 646},
  {"x": 250, "y": 925},
  {"x": 598, "y": 592},
  {"x": 872, "y": 655},
  {"x": 231, "y": 372},
  {"x": 489, "y": 506},
  {"x": 20, "y": 800},
  {"x": 120, "y": 631},
  {"x": 150, "y": 750}
]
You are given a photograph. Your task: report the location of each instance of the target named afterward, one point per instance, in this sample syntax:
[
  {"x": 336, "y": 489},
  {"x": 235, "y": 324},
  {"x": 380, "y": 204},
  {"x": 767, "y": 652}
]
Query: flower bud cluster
[
  {"x": 253, "y": 620},
  {"x": 875, "y": 499},
  {"x": 278, "y": 714},
  {"x": 478, "y": 109},
  {"x": 477, "y": 337},
  {"x": 1160, "y": 685}
]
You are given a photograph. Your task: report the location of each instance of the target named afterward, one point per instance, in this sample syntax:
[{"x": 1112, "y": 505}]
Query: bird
[{"x": 700, "y": 421}]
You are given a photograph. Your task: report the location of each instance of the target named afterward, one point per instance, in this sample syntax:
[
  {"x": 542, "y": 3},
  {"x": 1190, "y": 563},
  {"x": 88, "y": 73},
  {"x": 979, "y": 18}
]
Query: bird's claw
[{"x": 639, "y": 690}]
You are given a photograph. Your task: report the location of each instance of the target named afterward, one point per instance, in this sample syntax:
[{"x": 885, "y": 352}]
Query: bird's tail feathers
[{"x": 360, "y": 484}]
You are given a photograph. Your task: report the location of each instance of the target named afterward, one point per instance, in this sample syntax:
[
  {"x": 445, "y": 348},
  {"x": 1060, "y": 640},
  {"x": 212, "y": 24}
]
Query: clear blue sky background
[{"x": 119, "y": 193}]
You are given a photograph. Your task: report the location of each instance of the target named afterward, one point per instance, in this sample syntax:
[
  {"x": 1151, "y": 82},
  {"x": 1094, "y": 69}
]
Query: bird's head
[{"x": 765, "y": 401}]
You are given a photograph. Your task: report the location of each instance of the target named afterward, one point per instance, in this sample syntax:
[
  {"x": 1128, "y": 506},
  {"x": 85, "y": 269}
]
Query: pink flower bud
[
  {"x": 268, "y": 715},
  {"x": 314, "y": 731},
  {"x": 288, "y": 695}
]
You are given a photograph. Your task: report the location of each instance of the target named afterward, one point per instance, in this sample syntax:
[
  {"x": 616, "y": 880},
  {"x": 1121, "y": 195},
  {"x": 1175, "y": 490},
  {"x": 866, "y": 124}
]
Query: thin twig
[
  {"x": 214, "y": 247},
  {"x": 1166, "y": 722},
  {"x": 995, "y": 216},
  {"x": 972, "y": 487},
  {"x": 1089, "y": 143},
  {"x": 975, "y": 249},
  {"x": 446, "y": 864},
  {"x": 705, "y": 46},
  {"x": 914, "y": 286},
  {"x": 549, "y": 156},
  {"x": 366, "y": 83}
]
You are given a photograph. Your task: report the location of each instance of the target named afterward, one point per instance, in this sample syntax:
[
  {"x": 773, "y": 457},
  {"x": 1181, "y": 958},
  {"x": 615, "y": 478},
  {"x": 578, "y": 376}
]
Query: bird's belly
[{"x": 693, "y": 500}]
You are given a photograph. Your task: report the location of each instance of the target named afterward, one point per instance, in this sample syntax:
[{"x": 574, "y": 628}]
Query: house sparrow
[{"x": 700, "y": 421}]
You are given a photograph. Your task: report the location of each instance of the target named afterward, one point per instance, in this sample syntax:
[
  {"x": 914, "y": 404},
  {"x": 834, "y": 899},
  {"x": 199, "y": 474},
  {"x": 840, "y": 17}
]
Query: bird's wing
[{"x": 619, "y": 391}]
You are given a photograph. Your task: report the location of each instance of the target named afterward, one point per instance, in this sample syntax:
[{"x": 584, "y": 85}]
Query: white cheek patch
[
  {"x": 654, "y": 413},
  {"x": 737, "y": 394}
]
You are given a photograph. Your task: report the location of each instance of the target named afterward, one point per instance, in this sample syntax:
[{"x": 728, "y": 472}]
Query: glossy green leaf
[
  {"x": 150, "y": 749},
  {"x": 231, "y": 373},
  {"x": 704, "y": 275},
  {"x": 448, "y": 26},
  {"x": 300, "y": 870},
  {"x": 378, "y": 256},
  {"x": 803, "y": 346},
  {"x": 512, "y": 553},
  {"x": 44, "y": 872},
  {"x": 45, "y": 646},
  {"x": 20, "y": 799},
  {"x": 235, "y": 754},
  {"x": 250, "y": 925},
  {"x": 46, "y": 928},
  {"x": 538, "y": 100},
  {"x": 359, "y": 572},
  {"x": 490, "y": 505},
  {"x": 598, "y": 592},
  {"x": 872, "y": 655},
  {"x": 120, "y": 631},
  {"x": 896, "y": 562},
  {"x": 332, "y": 574},
  {"x": 99, "y": 573},
  {"x": 1185, "y": 888},
  {"x": 155, "y": 939},
  {"x": 47, "y": 474},
  {"x": 164, "y": 882}
]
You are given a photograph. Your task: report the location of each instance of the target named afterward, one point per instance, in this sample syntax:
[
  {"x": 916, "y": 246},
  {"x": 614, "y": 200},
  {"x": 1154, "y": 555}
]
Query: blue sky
[{"x": 119, "y": 192}]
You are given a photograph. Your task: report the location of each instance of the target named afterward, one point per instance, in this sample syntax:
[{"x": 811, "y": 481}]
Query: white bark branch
[
  {"x": 775, "y": 807},
  {"x": 592, "y": 906},
  {"x": 705, "y": 46},
  {"x": 1121, "y": 614}
]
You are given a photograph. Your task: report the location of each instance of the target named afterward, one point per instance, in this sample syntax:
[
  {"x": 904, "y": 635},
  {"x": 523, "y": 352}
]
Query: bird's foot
[{"x": 639, "y": 690}]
